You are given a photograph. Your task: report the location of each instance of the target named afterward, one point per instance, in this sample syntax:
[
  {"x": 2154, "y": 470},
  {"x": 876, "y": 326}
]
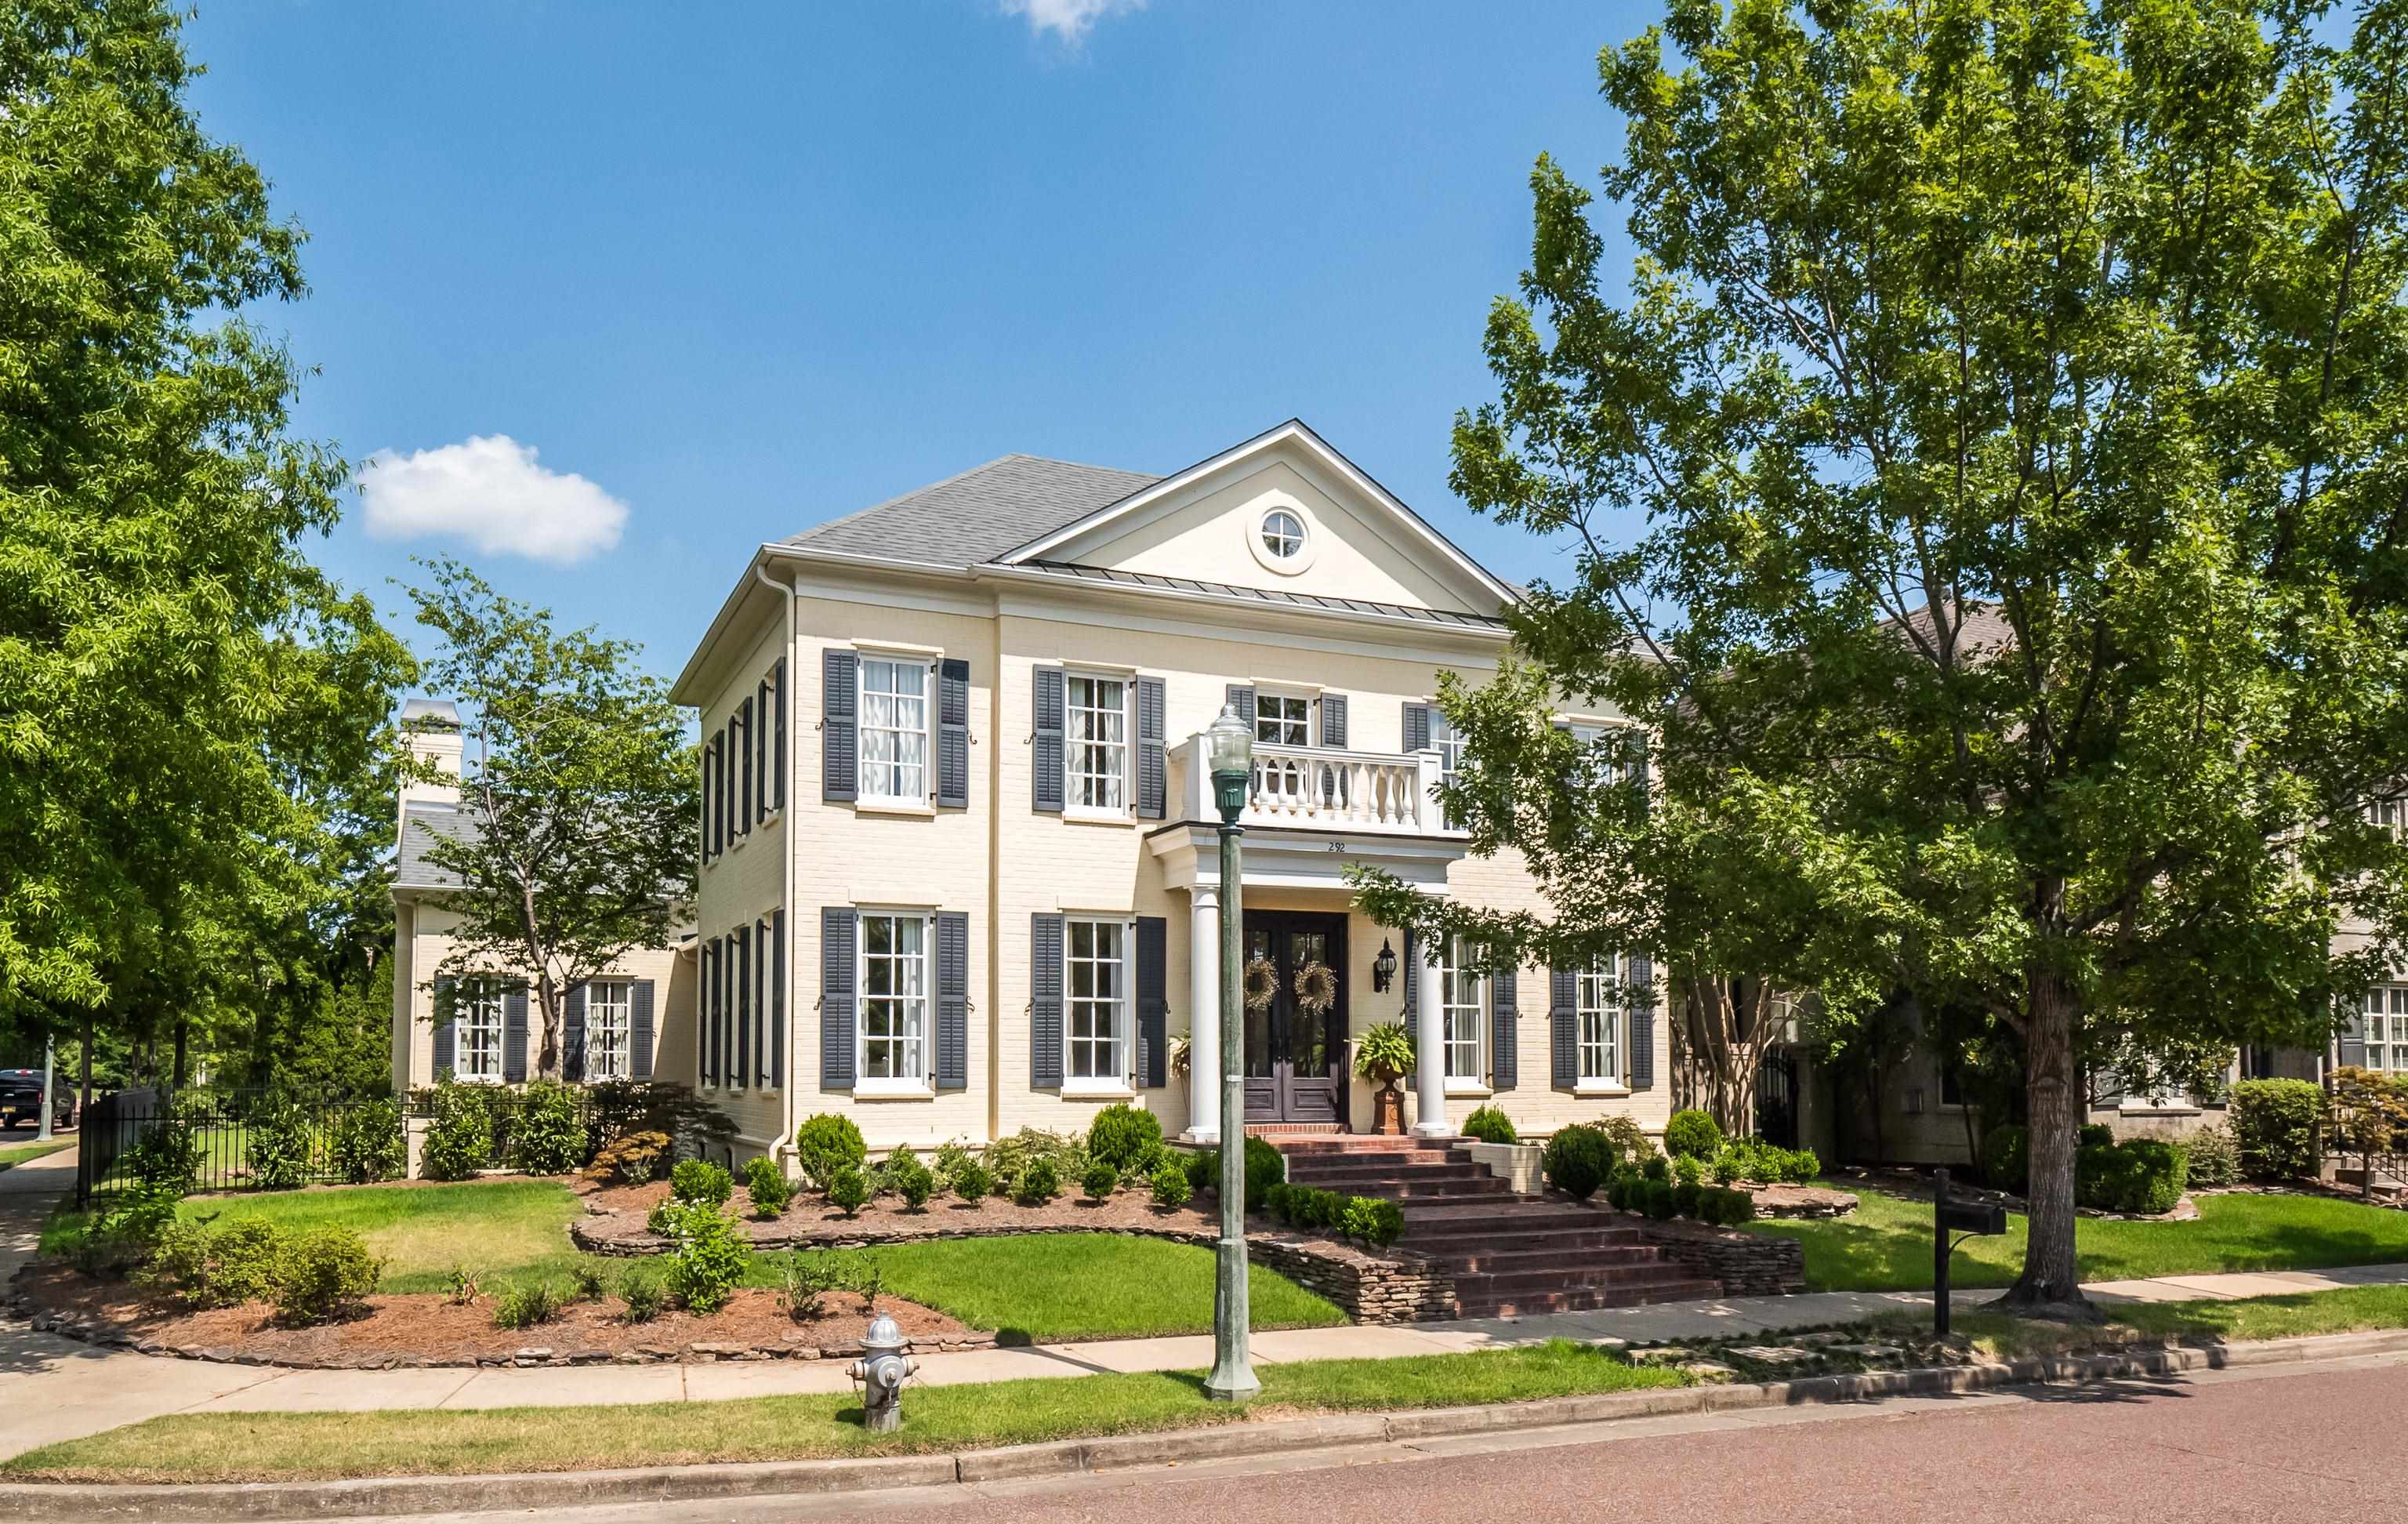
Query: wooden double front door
[{"x": 1295, "y": 1059}]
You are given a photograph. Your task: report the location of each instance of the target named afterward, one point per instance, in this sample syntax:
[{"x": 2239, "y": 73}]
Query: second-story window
[
  {"x": 607, "y": 1030},
  {"x": 2390, "y": 816},
  {"x": 2387, "y": 1028},
  {"x": 1283, "y": 719},
  {"x": 1097, "y": 722},
  {"x": 894, "y": 728}
]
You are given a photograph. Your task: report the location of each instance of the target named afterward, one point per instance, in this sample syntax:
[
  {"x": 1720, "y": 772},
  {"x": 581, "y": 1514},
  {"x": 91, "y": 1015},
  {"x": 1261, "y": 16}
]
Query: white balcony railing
[{"x": 1326, "y": 788}]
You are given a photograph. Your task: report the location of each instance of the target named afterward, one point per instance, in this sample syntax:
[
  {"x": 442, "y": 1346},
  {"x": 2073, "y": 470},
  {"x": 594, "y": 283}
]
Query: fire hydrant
[{"x": 881, "y": 1371}]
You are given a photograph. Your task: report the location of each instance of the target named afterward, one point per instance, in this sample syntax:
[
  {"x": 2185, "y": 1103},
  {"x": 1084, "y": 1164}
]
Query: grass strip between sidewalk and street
[
  {"x": 15, "y": 1154},
  {"x": 2358, "y": 1309},
  {"x": 301, "y": 1446}
]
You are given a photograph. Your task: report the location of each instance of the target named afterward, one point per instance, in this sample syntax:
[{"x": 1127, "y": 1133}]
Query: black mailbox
[{"x": 1973, "y": 1217}]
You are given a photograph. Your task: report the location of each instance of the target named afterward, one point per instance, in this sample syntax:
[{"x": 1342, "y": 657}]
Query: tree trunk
[
  {"x": 2051, "y": 1276},
  {"x": 547, "y": 1059},
  {"x": 178, "y": 1083},
  {"x": 83, "y": 1086}
]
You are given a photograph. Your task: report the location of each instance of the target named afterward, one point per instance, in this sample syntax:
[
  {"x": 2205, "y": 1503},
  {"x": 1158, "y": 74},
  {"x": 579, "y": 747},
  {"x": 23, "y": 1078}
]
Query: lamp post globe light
[{"x": 1230, "y": 747}]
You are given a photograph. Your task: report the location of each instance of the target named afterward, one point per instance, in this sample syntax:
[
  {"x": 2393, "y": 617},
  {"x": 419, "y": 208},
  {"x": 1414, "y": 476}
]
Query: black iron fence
[{"x": 213, "y": 1139}]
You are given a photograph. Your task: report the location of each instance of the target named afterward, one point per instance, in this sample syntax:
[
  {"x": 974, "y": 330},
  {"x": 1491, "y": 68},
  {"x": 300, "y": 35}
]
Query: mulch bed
[
  {"x": 614, "y": 1219},
  {"x": 432, "y": 1330}
]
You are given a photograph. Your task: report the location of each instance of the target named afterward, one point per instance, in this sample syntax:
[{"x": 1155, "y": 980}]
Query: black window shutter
[
  {"x": 711, "y": 797},
  {"x": 759, "y": 984},
  {"x": 572, "y": 1036},
  {"x": 1333, "y": 719},
  {"x": 640, "y": 1029},
  {"x": 953, "y": 734},
  {"x": 447, "y": 1027},
  {"x": 1240, "y": 700},
  {"x": 721, "y": 1069},
  {"x": 1418, "y": 728},
  {"x": 1641, "y": 1062},
  {"x": 1505, "y": 1028},
  {"x": 742, "y": 727},
  {"x": 839, "y": 725},
  {"x": 1045, "y": 743},
  {"x": 1563, "y": 1026},
  {"x": 514, "y": 1034},
  {"x": 739, "y": 974},
  {"x": 839, "y": 927},
  {"x": 953, "y": 1001},
  {"x": 1045, "y": 1002},
  {"x": 1151, "y": 757},
  {"x": 1412, "y": 1016},
  {"x": 778, "y": 795},
  {"x": 705, "y": 1040},
  {"x": 784, "y": 1037},
  {"x": 762, "y": 731},
  {"x": 1152, "y": 1002}
]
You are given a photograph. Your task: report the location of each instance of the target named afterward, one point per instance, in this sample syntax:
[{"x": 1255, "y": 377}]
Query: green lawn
[
  {"x": 1885, "y": 1243},
  {"x": 18, "y": 1153},
  {"x": 1040, "y": 1287},
  {"x": 291, "y": 1446},
  {"x": 2354, "y": 1310}
]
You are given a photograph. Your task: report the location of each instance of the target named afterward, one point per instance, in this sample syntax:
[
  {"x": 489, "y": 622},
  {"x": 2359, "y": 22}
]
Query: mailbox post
[{"x": 1970, "y": 1218}]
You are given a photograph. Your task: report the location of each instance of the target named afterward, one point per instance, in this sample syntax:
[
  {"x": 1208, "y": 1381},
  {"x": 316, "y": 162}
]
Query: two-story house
[{"x": 959, "y": 869}]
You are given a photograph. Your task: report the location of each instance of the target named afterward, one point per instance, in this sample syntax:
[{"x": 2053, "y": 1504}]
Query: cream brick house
[
  {"x": 957, "y": 867},
  {"x": 624, "y": 1024}
]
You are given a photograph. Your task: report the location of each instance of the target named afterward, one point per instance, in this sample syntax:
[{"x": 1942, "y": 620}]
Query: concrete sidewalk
[{"x": 53, "y": 1388}]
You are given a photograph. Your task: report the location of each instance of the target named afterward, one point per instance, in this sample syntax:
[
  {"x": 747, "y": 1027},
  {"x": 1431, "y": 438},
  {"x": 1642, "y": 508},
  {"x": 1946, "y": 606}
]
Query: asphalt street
[{"x": 2314, "y": 1443}]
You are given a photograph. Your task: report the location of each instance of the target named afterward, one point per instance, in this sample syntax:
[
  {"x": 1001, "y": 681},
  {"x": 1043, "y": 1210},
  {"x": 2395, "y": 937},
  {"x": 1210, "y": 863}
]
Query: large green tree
[
  {"x": 183, "y": 697},
  {"x": 581, "y": 795},
  {"x": 2013, "y": 394}
]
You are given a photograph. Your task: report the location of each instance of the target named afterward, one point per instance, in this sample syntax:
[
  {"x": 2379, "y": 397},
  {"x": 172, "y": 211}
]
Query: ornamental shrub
[
  {"x": 1277, "y": 1203},
  {"x": 1692, "y": 1134},
  {"x": 459, "y": 1132},
  {"x": 710, "y": 1260},
  {"x": 1264, "y": 1168},
  {"x": 166, "y": 1156},
  {"x": 1658, "y": 1201},
  {"x": 767, "y": 1185},
  {"x": 128, "y": 1233},
  {"x": 2095, "y": 1135},
  {"x": 1726, "y": 1166},
  {"x": 1007, "y": 1158},
  {"x": 1038, "y": 1183},
  {"x": 590, "y": 1282},
  {"x": 699, "y": 1182},
  {"x": 201, "y": 1266},
  {"x": 2006, "y": 1158},
  {"x": 276, "y": 1142},
  {"x": 631, "y": 1159},
  {"x": 369, "y": 1144},
  {"x": 826, "y": 1142},
  {"x": 1170, "y": 1188},
  {"x": 2214, "y": 1156},
  {"x": 2277, "y": 1124},
  {"x": 1577, "y": 1161},
  {"x": 1619, "y": 1188},
  {"x": 1490, "y": 1126},
  {"x": 1737, "y": 1207},
  {"x": 951, "y": 1155},
  {"x": 1127, "y": 1138},
  {"x": 644, "y": 1295},
  {"x": 971, "y": 1182},
  {"x": 1387, "y": 1222},
  {"x": 848, "y": 1189},
  {"x": 1804, "y": 1166},
  {"x": 548, "y": 1135},
  {"x": 1629, "y": 1140},
  {"x": 1684, "y": 1197},
  {"x": 1686, "y": 1171},
  {"x": 910, "y": 1179},
  {"x": 1100, "y": 1181},
  {"x": 525, "y": 1306},
  {"x": 1656, "y": 1167},
  {"x": 323, "y": 1274}
]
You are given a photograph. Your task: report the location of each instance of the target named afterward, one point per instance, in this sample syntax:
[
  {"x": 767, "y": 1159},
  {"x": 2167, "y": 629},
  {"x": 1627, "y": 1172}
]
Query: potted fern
[{"x": 1383, "y": 1055}]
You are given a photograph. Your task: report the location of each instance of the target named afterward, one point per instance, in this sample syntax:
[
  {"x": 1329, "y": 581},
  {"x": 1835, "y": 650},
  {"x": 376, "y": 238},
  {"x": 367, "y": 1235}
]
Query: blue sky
[{"x": 743, "y": 268}]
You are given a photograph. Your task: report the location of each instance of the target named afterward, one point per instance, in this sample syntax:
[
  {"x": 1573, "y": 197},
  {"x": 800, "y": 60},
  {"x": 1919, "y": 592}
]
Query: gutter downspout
[{"x": 781, "y": 1151}]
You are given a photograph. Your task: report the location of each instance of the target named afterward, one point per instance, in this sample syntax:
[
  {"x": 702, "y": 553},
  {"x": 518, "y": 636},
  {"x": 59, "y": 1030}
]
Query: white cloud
[
  {"x": 490, "y": 491},
  {"x": 1068, "y": 19}
]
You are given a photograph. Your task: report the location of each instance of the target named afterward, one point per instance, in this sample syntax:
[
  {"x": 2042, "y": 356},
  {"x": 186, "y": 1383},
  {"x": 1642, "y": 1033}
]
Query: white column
[
  {"x": 1430, "y": 1047},
  {"x": 1204, "y": 1021}
]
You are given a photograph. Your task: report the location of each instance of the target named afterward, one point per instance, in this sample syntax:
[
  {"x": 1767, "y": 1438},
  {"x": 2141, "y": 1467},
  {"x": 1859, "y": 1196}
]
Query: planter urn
[{"x": 1388, "y": 1111}]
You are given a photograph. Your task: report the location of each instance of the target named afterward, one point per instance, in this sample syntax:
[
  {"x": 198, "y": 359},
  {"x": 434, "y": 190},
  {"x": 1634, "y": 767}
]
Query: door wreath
[
  {"x": 1261, "y": 985},
  {"x": 1316, "y": 988}
]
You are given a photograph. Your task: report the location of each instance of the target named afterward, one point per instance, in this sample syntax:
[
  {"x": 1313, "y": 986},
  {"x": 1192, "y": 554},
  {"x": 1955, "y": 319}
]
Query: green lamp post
[{"x": 1230, "y": 747}]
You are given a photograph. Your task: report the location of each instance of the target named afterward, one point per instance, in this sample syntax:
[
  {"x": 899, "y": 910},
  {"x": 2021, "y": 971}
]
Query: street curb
[{"x": 213, "y": 1501}]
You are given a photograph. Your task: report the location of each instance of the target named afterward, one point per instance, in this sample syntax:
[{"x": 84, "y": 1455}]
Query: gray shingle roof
[
  {"x": 1262, "y": 595},
  {"x": 422, "y": 821},
  {"x": 971, "y": 519}
]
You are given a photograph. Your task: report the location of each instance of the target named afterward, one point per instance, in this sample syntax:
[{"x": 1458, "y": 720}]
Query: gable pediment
[{"x": 1282, "y": 512}]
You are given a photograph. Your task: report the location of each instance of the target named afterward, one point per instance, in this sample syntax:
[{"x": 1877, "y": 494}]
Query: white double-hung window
[
  {"x": 2387, "y": 1028},
  {"x": 894, "y": 998},
  {"x": 1598, "y": 998},
  {"x": 609, "y": 1029},
  {"x": 1463, "y": 1003},
  {"x": 1096, "y": 980},
  {"x": 1097, "y": 732},
  {"x": 1283, "y": 719},
  {"x": 478, "y": 1051},
  {"x": 895, "y": 728}
]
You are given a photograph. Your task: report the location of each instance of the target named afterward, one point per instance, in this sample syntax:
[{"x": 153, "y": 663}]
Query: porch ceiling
[{"x": 1280, "y": 857}]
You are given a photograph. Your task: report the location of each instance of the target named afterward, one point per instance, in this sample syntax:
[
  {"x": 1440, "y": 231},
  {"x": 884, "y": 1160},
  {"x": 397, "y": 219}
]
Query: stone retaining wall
[{"x": 1747, "y": 1264}]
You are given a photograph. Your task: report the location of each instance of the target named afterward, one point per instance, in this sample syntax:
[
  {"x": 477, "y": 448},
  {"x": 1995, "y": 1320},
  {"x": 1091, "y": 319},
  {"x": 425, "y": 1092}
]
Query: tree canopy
[{"x": 2013, "y": 398}]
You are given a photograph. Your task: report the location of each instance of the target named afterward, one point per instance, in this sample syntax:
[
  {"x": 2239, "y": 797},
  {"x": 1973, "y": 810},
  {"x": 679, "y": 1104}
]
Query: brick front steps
[{"x": 1510, "y": 1256}]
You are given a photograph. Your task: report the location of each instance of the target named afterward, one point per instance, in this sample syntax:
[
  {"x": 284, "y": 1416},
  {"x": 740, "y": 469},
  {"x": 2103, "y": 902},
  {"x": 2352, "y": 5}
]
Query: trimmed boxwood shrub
[
  {"x": 1170, "y": 1188},
  {"x": 971, "y": 1182},
  {"x": 1578, "y": 1160},
  {"x": 1684, "y": 1197},
  {"x": 2277, "y": 1123},
  {"x": 2214, "y": 1156},
  {"x": 699, "y": 1181},
  {"x": 369, "y": 1144},
  {"x": 548, "y": 1135},
  {"x": 1490, "y": 1126},
  {"x": 1128, "y": 1139},
  {"x": 1658, "y": 1201},
  {"x": 767, "y": 1185},
  {"x": 323, "y": 1274},
  {"x": 848, "y": 1189},
  {"x": 1656, "y": 1167},
  {"x": 825, "y": 1142},
  {"x": 710, "y": 1259},
  {"x": 2095, "y": 1135},
  {"x": 910, "y": 1179},
  {"x": 1099, "y": 1182},
  {"x": 1038, "y": 1183},
  {"x": 1692, "y": 1134}
]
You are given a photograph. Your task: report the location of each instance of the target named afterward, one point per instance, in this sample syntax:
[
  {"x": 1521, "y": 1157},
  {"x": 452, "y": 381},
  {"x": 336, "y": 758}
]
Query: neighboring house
[
  {"x": 958, "y": 866},
  {"x": 618, "y": 1027}
]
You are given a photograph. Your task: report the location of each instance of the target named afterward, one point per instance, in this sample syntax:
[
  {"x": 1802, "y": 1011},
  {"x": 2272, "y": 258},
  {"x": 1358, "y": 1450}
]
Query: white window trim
[
  {"x": 1305, "y": 553},
  {"x": 1477, "y": 1082},
  {"x": 460, "y": 1024},
  {"x": 925, "y": 802},
  {"x": 867, "y": 1086},
  {"x": 1616, "y": 1011},
  {"x": 2394, "y": 1049},
  {"x": 1312, "y": 697},
  {"x": 1101, "y": 814},
  {"x": 626, "y": 1004},
  {"x": 1096, "y": 1086}
]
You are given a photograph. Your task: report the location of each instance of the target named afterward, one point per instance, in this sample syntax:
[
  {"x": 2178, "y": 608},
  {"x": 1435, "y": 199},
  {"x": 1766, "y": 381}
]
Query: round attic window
[{"x": 1283, "y": 541}]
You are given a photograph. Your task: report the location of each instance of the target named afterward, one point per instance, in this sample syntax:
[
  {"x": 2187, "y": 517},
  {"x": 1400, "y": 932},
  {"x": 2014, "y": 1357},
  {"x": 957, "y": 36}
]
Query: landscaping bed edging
[{"x": 198, "y": 1501}]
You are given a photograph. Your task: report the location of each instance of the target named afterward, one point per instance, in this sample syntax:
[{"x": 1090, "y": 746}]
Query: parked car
[{"x": 21, "y": 1096}]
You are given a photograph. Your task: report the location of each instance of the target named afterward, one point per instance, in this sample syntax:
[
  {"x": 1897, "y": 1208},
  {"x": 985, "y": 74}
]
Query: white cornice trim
[{"x": 1477, "y": 634}]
